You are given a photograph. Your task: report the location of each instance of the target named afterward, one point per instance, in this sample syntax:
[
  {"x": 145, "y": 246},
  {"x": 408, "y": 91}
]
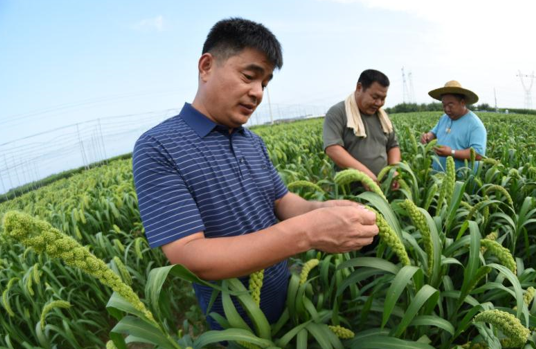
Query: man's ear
[
  {"x": 359, "y": 87},
  {"x": 205, "y": 66}
]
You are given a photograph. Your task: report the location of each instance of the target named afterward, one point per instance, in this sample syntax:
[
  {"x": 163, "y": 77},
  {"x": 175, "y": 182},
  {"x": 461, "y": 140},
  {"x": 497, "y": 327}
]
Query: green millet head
[
  {"x": 342, "y": 332},
  {"x": 307, "y": 267},
  {"x": 509, "y": 325}
]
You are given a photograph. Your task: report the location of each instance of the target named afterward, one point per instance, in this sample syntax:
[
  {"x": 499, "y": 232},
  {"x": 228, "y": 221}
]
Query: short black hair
[
  {"x": 230, "y": 36},
  {"x": 369, "y": 76},
  {"x": 458, "y": 96}
]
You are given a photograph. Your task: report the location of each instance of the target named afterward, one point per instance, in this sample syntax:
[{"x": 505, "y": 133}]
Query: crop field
[{"x": 454, "y": 267}]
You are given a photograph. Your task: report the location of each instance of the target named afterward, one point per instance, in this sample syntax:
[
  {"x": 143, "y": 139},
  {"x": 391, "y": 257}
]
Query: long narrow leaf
[
  {"x": 136, "y": 327},
  {"x": 432, "y": 320},
  {"x": 400, "y": 282},
  {"x": 425, "y": 294},
  {"x": 231, "y": 334}
]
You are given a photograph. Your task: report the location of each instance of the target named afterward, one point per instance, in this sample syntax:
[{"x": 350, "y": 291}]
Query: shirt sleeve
[
  {"x": 477, "y": 139},
  {"x": 167, "y": 208},
  {"x": 392, "y": 141},
  {"x": 334, "y": 125},
  {"x": 436, "y": 127}
]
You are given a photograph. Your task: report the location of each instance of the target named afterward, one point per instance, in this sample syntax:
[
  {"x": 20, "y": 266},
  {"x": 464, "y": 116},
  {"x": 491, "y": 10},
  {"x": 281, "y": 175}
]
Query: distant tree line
[{"x": 414, "y": 107}]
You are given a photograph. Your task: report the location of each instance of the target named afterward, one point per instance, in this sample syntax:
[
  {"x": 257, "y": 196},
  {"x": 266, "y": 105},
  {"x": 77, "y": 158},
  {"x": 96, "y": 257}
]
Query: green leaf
[
  {"x": 283, "y": 319},
  {"x": 433, "y": 320},
  {"x": 158, "y": 276},
  {"x": 426, "y": 294},
  {"x": 357, "y": 276},
  {"x": 381, "y": 341},
  {"x": 222, "y": 321},
  {"x": 292, "y": 291},
  {"x": 319, "y": 335},
  {"x": 139, "y": 328},
  {"x": 415, "y": 186},
  {"x": 517, "y": 289},
  {"x": 231, "y": 334},
  {"x": 435, "y": 276},
  {"x": 231, "y": 314},
  {"x": 481, "y": 272},
  {"x": 301, "y": 339},
  {"x": 400, "y": 282},
  {"x": 118, "y": 340},
  {"x": 324, "y": 331},
  {"x": 371, "y": 262},
  {"x": 474, "y": 261},
  {"x": 117, "y": 305},
  {"x": 325, "y": 265},
  {"x": 383, "y": 207},
  {"x": 459, "y": 190},
  {"x": 466, "y": 322},
  {"x": 449, "y": 260},
  {"x": 309, "y": 306},
  {"x": 283, "y": 341},
  {"x": 255, "y": 314}
]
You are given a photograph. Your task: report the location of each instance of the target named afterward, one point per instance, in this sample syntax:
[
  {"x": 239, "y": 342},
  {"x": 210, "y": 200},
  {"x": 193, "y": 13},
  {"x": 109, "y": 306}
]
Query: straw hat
[{"x": 454, "y": 86}]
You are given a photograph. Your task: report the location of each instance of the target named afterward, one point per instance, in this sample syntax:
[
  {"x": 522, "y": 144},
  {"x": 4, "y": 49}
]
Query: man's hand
[
  {"x": 338, "y": 203},
  {"x": 340, "y": 229},
  {"x": 394, "y": 184},
  {"x": 427, "y": 137},
  {"x": 443, "y": 150}
]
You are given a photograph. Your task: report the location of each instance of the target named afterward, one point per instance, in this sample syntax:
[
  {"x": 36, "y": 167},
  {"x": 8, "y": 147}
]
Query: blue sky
[{"x": 66, "y": 62}]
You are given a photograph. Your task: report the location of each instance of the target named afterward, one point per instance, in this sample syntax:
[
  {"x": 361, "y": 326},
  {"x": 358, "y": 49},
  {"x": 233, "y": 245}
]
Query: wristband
[{"x": 452, "y": 152}]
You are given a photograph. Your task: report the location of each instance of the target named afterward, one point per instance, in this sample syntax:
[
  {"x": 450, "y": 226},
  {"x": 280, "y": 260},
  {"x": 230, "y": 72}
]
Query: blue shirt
[
  {"x": 464, "y": 133},
  {"x": 192, "y": 175}
]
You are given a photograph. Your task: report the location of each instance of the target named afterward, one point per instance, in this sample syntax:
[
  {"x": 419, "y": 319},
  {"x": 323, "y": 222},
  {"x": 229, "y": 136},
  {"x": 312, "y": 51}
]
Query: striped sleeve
[
  {"x": 280, "y": 187},
  {"x": 166, "y": 205}
]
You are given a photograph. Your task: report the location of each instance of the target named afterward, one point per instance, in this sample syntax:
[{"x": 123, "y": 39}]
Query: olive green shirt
[{"x": 370, "y": 151}]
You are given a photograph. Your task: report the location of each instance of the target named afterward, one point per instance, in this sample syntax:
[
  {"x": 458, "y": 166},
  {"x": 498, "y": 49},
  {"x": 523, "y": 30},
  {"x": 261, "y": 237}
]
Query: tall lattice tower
[
  {"x": 411, "y": 91},
  {"x": 405, "y": 91},
  {"x": 528, "y": 96}
]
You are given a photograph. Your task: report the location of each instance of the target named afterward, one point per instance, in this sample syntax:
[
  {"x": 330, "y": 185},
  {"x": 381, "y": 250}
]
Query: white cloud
[{"x": 156, "y": 23}]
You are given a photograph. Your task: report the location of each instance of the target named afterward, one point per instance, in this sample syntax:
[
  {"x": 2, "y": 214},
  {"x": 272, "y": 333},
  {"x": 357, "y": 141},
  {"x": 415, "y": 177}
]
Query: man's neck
[
  {"x": 365, "y": 114},
  {"x": 462, "y": 115}
]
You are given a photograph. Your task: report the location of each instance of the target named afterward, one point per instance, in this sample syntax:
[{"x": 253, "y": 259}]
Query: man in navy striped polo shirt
[{"x": 208, "y": 193}]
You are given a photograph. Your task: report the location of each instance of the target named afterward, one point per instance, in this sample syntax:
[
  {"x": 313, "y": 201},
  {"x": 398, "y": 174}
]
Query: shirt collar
[{"x": 200, "y": 123}]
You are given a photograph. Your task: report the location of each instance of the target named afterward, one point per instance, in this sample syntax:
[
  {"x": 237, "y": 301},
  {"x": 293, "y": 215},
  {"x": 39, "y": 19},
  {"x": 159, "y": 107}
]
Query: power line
[
  {"x": 71, "y": 106},
  {"x": 31, "y": 158}
]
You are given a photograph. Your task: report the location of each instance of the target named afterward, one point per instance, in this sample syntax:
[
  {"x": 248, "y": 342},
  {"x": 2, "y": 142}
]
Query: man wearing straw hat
[{"x": 459, "y": 129}]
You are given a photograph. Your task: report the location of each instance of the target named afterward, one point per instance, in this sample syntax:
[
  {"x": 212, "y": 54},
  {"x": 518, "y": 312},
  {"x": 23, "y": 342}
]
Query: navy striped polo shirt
[{"x": 192, "y": 175}]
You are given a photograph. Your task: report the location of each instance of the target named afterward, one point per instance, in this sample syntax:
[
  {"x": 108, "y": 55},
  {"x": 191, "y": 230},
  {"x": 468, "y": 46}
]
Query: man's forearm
[
  {"x": 338, "y": 226},
  {"x": 227, "y": 257},
  {"x": 292, "y": 205},
  {"x": 394, "y": 156},
  {"x": 465, "y": 154},
  {"x": 343, "y": 159}
]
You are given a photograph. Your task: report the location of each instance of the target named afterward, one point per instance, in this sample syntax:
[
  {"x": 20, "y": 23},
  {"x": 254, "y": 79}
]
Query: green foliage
[{"x": 422, "y": 292}]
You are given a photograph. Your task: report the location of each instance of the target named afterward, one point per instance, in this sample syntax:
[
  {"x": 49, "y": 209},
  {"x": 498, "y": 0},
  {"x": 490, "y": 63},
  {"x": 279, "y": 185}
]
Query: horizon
[{"x": 129, "y": 65}]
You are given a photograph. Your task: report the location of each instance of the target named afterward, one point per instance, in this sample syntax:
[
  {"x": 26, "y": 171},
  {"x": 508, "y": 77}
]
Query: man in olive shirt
[{"x": 358, "y": 133}]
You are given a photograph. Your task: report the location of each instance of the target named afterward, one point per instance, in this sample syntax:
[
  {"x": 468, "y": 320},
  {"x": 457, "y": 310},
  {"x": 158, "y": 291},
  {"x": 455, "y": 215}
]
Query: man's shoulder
[
  {"x": 171, "y": 125},
  {"x": 337, "y": 109},
  {"x": 252, "y": 135},
  {"x": 474, "y": 119},
  {"x": 167, "y": 133}
]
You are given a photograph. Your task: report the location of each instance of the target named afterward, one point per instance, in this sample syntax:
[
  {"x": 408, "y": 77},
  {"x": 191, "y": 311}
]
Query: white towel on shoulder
[{"x": 356, "y": 123}]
